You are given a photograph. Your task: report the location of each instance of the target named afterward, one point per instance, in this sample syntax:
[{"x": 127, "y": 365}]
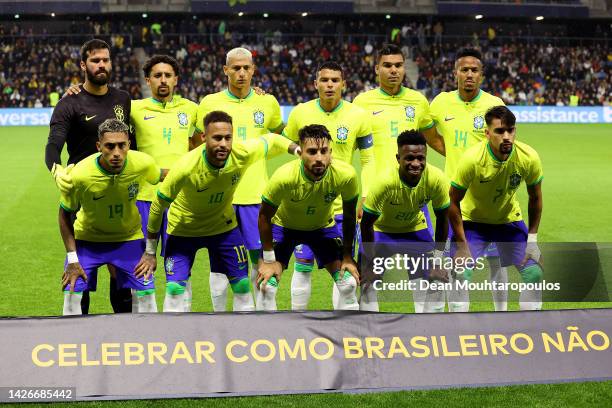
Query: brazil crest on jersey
[
  {"x": 201, "y": 194},
  {"x": 307, "y": 205},
  {"x": 492, "y": 184},
  {"x": 106, "y": 202},
  {"x": 162, "y": 131},
  {"x": 460, "y": 123},
  {"x": 390, "y": 115},
  {"x": 399, "y": 206}
]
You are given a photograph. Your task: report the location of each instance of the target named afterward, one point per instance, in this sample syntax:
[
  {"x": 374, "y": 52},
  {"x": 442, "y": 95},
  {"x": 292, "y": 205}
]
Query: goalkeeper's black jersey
[{"x": 75, "y": 121}]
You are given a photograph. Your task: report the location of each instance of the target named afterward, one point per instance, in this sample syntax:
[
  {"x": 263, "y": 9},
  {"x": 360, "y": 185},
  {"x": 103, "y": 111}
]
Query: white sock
[
  {"x": 266, "y": 300},
  {"x": 72, "y": 304},
  {"x": 530, "y": 300},
  {"x": 174, "y": 303},
  {"x": 458, "y": 299},
  {"x": 435, "y": 301},
  {"x": 335, "y": 298},
  {"x": 218, "y": 291},
  {"x": 134, "y": 302},
  {"x": 499, "y": 274},
  {"x": 368, "y": 301},
  {"x": 146, "y": 303},
  {"x": 301, "y": 287},
  {"x": 188, "y": 296},
  {"x": 347, "y": 291},
  {"x": 243, "y": 302},
  {"x": 418, "y": 297}
]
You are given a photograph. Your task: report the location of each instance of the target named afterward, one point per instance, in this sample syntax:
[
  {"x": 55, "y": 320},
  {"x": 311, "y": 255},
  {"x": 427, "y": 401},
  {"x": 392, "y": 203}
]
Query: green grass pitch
[{"x": 577, "y": 194}]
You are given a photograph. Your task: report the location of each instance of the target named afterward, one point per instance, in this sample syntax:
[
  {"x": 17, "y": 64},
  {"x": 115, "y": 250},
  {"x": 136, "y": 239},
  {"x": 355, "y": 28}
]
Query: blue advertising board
[{"x": 524, "y": 114}]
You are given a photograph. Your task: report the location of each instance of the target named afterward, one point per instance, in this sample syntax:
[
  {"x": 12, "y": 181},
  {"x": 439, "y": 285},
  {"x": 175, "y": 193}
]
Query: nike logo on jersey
[
  {"x": 88, "y": 118},
  {"x": 485, "y": 181},
  {"x": 392, "y": 203},
  {"x": 97, "y": 198},
  {"x": 295, "y": 200},
  {"x": 148, "y": 117},
  {"x": 203, "y": 189},
  {"x": 377, "y": 112},
  {"x": 446, "y": 119}
]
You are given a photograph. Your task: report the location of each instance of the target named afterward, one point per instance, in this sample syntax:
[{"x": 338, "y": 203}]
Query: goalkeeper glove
[{"x": 62, "y": 177}]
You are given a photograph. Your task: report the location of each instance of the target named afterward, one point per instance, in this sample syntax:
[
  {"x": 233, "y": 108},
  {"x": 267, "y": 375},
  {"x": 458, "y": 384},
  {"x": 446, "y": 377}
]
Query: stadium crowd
[{"x": 34, "y": 66}]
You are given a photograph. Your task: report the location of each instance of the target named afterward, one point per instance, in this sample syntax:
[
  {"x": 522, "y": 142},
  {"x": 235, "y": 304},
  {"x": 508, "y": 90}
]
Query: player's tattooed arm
[
  {"x": 73, "y": 270},
  {"x": 349, "y": 216},
  {"x": 268, "y": 266},
  {"x": 367, "y": 251},
  {"x": 435, "y": 140},
  {"x": 535, "y": 214},
  {"x": 535, "y": 207},
  {"x": 148, "y": 262},
  {"x": 441, "y": 234}
]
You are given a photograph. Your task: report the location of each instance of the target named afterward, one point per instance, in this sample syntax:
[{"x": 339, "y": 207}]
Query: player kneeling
[
  {"x": 107, "y": 228},
  {"x": 297, "y": 207}
]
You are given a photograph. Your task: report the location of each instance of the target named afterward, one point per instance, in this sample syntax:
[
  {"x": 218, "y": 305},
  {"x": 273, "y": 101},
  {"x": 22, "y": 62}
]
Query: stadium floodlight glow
[
  {"x": 265, "y": 15},
  {"x": 304, "y": 14},
  {"x": 540, "y": 18},
  {"x": 145, "y": 15},
  {"x": 16, "y": 16},
  {"x": 478, "y": 16},
  {"x": 388, "y": 16},
  {"x": 241, "y": 14},
  {"x": 52, "y": 14},
  {"x": 195, "y": 17}
]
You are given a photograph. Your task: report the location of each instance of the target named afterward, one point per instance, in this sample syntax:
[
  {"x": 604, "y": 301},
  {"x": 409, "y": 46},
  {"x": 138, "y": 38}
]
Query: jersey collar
[
  {"x": 473, "y": 100},
  {"x": 210, "y": 166},
  {"x": 166, "y": 104},
  {"x": 401, "y": 92},
  {"x": 495, "y": 159},
  {"x": 336, "y": 109},
  {"x": 307, "y": 178},
  {"x": 232, "y": 96},
  {"x": 104, "y": 171}
]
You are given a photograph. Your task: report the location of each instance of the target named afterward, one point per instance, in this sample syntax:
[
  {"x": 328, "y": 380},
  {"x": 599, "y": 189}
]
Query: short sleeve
[
  {"x": 276, "y": 121},
  {"x": 535, "y": 172},
  {"x": 350, "y": 189},
  {"x": 275, "y": 191},
  {"x": 173, "y": 183},
  {"x": 425, "y": 120},
  {"x": 375, "y": 199},
  {"x": 291, "y": 130},
  {"x": 201, "y": 112},
  {"x": 464, "y": 175},
  {"x": 440, "y": 198}
]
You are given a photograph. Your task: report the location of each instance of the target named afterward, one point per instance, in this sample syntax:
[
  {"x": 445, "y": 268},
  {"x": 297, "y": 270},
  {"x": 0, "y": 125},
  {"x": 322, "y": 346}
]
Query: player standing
[
  {"x": 484, "y": 207},
  {"x": 459, "y": 117},
  {"x": 163, "y": 125},
  {"x": 200, "y": 188},
  {"x": 107, "y": 229},
  {"x": 392, "y": 213},
  {"x": 253, "y": 115},
  {"x": 298, "y": 207},
  {"x": 350, "y": 128},
  {"x": 75, "y": 122},
  {"x": 393, "y": 109}
]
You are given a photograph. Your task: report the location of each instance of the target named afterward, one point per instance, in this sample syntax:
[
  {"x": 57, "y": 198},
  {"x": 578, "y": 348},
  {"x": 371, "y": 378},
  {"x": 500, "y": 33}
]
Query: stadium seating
[{"x": 523, "y": 71}]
